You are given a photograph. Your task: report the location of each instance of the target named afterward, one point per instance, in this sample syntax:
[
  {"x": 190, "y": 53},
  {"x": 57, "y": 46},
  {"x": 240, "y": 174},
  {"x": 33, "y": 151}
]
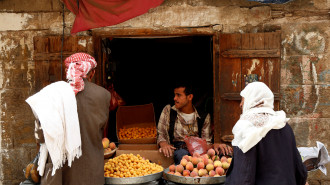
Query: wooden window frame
[{"x": 168, "y": 32}]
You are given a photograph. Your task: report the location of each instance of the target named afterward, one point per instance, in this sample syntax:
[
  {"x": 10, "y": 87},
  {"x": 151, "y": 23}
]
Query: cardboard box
[
  {"x": 138, "y": 147},
  {"x": 135, "y": 116},
  {"x": 153, "y": 155}
]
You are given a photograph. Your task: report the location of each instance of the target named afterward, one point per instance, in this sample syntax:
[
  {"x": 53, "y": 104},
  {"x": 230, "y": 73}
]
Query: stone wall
[{"x": 305, "y": 72}]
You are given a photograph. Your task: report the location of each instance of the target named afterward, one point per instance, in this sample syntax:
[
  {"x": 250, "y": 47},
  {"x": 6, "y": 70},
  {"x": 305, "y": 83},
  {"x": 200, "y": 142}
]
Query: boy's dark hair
[{"x": 186, "y": 84}]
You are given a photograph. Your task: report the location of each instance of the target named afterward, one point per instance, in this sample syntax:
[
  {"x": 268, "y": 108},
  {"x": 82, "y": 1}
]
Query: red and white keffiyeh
[{"x": 78, "y": 65}]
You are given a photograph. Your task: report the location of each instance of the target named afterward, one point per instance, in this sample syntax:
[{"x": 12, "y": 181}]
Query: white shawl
[
  {"x": 56, "y": 108},
  {"x": 258, "y": 116}
]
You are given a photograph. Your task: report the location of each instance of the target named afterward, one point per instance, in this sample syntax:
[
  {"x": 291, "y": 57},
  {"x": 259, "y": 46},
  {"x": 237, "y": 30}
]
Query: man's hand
[
  {"x": 223, "y": 148},
  {"x": 166, "y": 149}
]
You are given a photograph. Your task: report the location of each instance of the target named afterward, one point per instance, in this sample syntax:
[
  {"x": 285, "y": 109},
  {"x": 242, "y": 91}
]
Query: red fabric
[
  {"x": 101, "y": 13},
  {"x": 77, "y": 67}
]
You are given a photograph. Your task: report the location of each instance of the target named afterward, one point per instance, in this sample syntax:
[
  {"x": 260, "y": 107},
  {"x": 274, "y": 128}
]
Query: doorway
[{"x": 144, "y": 70}]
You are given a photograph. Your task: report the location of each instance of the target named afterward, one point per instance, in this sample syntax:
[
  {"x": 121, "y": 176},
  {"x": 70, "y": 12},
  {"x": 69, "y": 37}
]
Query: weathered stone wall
[{"x": 305, "y": 73}]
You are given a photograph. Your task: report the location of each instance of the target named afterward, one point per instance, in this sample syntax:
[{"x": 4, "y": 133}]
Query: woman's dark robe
[{"x": 275, "y": 160}]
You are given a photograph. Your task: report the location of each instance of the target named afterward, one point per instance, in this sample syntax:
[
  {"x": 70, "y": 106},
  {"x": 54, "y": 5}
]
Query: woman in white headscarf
[{"x": 264, "y": 144}]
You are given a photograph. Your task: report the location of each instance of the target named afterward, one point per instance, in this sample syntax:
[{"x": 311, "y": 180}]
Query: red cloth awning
[{"x": 101, "y": 13}]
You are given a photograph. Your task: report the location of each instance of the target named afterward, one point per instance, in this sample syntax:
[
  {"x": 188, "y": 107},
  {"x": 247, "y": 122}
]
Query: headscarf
[
  {"x": 258, "y": 116},
  {"x": 78, "y": 65},
  {"x": 257, "y": 98}
]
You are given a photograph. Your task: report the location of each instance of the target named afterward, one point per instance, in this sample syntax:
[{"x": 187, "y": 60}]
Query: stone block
[
  {"x": 300, "y": 129},
  {"x": 291, "y": 71},
  {"x": 24, "y": 135},
  {"x": 7, "y": 140},
  {"x": 313, "y": 182},
  {"x": 301, "y": 100},
  {"x": 325, "y": 182},
  {"x": 12, "y": 182},
  {"x": 322, "y": 4},
  {"x": 304, "y": 70},
  {"x": 13, "y": 105},
  {"x": 304, "y": 39},
  {"x": 16, "y": 74},
  {"x": 16, "y": 46},
  {"x": 309, "y": 130},
  {"x": 17, "y": 119},
  {"x": 323, "y": 101},
  {"x": 319, "y": 131},
  {"x": 27, "y": 6},
  {"x": 315, "y": 177},
  {"x": 13, "y": 163}
]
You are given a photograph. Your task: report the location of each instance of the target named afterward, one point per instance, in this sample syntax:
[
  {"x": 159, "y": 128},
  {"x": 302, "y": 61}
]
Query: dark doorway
[{"x": 144, "y": 70}]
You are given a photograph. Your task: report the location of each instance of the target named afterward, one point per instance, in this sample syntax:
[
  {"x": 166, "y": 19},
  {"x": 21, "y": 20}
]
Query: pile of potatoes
[
  {"x": 207, "y": 165},
  {"x": 129, "y": 165},
  {"x": 137, "y": 132}
]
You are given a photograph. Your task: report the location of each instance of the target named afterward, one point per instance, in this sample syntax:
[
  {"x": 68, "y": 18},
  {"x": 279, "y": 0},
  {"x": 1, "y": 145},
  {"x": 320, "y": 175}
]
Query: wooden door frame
[{"x": 168, "y": 32}]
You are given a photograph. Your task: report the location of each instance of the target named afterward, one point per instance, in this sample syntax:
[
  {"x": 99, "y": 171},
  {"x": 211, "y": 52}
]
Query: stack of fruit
[
  {"x": 129, "y": 165},
  {"x": 108, "y": 146},
  {"x": 207, "y": 165},
  {"x": 137, "y": 132}
]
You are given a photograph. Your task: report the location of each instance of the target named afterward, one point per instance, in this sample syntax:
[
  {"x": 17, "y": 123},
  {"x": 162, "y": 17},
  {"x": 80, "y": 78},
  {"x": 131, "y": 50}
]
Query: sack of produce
[
  {"x": 196, "y": 145},
  {"x": 315, "y": 157}
]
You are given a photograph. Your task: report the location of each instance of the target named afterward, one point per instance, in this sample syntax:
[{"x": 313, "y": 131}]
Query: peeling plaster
[
  {"x": 270, "y": 68},
  {"x": 310, "y": 43},
  {"x": 309, "y": 76},
  {"x": 289, "y": 40},
  {"x": 305, "y": 70},
  {"x": 322, "y": 75},
  {"x": 317, "y": 87},
  {"x": 82, "y": 42},
  {"x": 1, "y": 76},
  {"x": 1, "y": 152},
  {"x": 255, "y": 62},
  {"x": 234, "y": 79},
  {"x": 13, "y": 21},
  {"x": 6, "y": 44},
  {"x": 30, "y": 70}
]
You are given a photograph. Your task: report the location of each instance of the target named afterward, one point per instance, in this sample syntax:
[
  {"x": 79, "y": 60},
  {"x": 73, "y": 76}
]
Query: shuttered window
[
  {"x": 241, "y": 56},
  {"x": 47, "y": 56}
]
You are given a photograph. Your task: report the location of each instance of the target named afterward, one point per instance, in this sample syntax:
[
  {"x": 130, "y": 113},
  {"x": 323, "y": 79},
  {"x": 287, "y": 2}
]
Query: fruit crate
[{"x": 140, "y": 116}]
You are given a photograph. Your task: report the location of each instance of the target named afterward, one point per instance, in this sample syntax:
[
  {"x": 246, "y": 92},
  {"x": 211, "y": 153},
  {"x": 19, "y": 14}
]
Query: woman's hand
[{"x": 223, "y": 148}]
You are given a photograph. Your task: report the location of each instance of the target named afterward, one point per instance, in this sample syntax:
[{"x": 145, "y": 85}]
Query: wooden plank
[
  {"x": 255, "y": 65},
  {"x": 51, "y": 56},
  {"x": 48, "y": 72},
  {"x": 253, "y": 41},
  {"x": 47, "y": 56},
  {"x": 257, "y": 41},
  {"x": 55, "y": 44},
  {"x": 70, "y": 44},
  {"x": 246, "y": 41},
  {"x": 272, "y": 75},
  {"x": 132, "y": 32},
  {"x": 98, "y": 78},
  {"x": 230, "y": 41},
  {"x": 41, "y": 44},
  {"x": 229, "y": 81},
  {"x": 271, "y": 53},
  {"x": 273, "y": 40},
  {"x": 237, "y": 96},
  {"x": 216, "y": 87}
]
